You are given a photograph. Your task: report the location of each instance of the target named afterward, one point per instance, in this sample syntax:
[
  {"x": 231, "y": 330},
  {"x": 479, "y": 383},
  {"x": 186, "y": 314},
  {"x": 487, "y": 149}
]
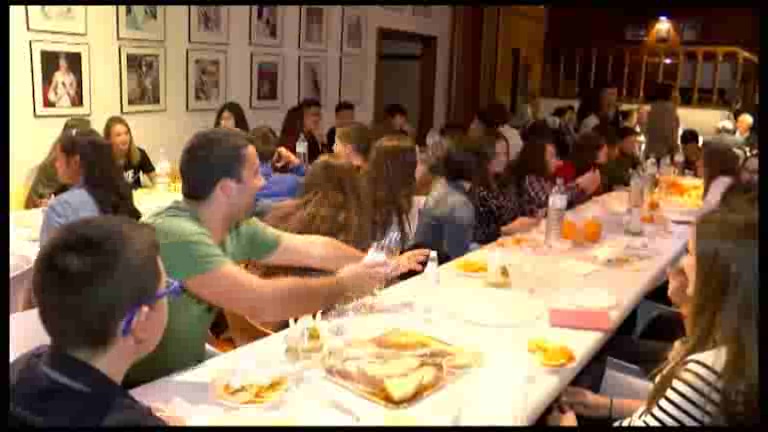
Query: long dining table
[{"x": 509, "y": 388}]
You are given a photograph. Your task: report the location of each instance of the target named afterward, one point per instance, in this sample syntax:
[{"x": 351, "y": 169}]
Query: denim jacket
[{"x": 447, "y": 220}]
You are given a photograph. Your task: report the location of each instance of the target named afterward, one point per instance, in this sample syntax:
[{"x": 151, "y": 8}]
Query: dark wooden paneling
[{"x": 466, "y": 59}]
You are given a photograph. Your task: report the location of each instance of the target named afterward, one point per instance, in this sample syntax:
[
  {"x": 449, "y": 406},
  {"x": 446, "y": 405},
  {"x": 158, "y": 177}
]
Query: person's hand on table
[
  {"x": 561, "y": 416},
  {"x": 411, "y": 261},
  {"x": 364, "y": 277},
  {"x": 584, "y": 402},
  {"x": 520, "y": 224},
  {"x": 168, "y": 415},
  {"x": 284, "y": 157},
  {"x": 589, "y": 182}
]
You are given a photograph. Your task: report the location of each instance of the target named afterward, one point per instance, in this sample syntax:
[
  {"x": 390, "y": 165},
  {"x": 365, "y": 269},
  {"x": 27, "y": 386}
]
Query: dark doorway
[{"x": 405, "y": 74}]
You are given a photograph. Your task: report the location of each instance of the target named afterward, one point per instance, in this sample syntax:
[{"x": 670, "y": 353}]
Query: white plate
[
  {"x": 500, "y": 308},
  {"x": 591, "y": 298}
]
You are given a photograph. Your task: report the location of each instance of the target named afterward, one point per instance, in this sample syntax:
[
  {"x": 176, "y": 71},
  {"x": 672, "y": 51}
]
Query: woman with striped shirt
[{"x": 710, "y": 377}]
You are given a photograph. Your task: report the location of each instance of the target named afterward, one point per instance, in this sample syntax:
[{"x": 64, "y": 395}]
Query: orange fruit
[
  {"x": 570, "y": 230},
  {"x": 593, "y": 230},
  {"x": 537, "y": 345},
  {"x": 557, "y": 355},
  {"x": 646, "y": 218},
  {"x": 653, "y": 204}
]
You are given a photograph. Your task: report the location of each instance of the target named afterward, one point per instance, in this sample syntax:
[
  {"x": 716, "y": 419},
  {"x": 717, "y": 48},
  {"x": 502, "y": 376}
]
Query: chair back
[{"x": 26, "y": 332}]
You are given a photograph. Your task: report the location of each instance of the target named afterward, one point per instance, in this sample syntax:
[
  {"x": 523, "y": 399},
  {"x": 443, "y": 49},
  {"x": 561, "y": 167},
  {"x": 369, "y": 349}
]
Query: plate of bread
[{"x": 399, "y": 368}]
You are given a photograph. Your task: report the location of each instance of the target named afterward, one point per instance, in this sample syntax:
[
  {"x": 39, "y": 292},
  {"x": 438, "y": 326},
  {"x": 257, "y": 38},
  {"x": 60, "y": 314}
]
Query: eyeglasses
[{"x": 173, "y": 288}]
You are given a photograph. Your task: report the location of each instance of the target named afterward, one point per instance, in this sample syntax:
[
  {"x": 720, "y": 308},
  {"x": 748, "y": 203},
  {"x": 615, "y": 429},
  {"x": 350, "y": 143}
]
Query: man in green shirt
[{"x": 203, "y": 237}]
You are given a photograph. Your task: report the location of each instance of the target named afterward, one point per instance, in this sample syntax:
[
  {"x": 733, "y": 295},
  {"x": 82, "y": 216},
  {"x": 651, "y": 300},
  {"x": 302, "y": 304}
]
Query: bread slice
[{"x": 403, "y": 388}]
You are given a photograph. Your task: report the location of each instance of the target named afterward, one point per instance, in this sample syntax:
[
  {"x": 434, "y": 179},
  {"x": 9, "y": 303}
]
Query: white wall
[
  {"x": 703, "y": 120},
  {"x": 31, "y": 137}
]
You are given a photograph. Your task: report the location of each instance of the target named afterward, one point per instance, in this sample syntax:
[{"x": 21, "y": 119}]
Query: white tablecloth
[{"x": 491, "y": 392}]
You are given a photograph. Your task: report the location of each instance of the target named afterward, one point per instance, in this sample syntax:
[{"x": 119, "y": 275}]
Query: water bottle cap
[{"x": 433, "y": 254}]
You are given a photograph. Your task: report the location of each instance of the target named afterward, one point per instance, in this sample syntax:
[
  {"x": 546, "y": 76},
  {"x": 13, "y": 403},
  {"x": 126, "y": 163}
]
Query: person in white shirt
[
  {"x": 711, "y": 376},
  {"x": 496, "y": 117},
  {"x": 744, "y": 130}
]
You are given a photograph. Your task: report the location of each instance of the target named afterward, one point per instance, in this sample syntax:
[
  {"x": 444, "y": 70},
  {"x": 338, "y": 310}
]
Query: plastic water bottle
[
  {"x": 679, "y": 162},
  {"x": 651, "y": 169},
  {"x": 633, "y": 225},
  {"x": 432, "y": 269},
  {"x": 163, "y": 171},
  {"x": 558, "y": 202},
  {"x": 302, "y": 150}
]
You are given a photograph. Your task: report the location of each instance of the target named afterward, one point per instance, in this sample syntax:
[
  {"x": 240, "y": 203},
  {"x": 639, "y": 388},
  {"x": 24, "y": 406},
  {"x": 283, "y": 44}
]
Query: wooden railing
[{"x": 635, "y": 69}]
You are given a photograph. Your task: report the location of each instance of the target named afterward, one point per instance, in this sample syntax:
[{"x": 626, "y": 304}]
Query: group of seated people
[{"x": 305, "y": 250}]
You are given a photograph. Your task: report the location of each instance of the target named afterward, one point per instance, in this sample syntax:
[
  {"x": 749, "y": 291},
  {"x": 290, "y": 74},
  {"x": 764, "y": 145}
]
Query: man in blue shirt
[{"x": 282, "y": 171}]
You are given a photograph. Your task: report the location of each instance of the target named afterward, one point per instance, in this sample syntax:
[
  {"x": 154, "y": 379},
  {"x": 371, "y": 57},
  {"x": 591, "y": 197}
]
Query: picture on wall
[
  {"x": 313, "y": 28},
  {"x": 57, "y": 19},
  {"x": 312, "y": 78},
  {"x": 353, "y": 30},
  {"x": 352, "y": 79},
  {"x": 142, "y": 79},
  {"x": 422, "y": 11},
  {"x": 209, "y": 24},
  {"x": 206, "y": 79},
  {"x": 61, "y": 83},
  {"x": 267, "y": 25},
  {"x": 141, "y": 22},
  {"x": 266, "y": 81}
]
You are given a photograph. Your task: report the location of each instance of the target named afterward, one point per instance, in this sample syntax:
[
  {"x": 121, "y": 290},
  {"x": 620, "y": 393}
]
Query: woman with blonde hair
[
  {"x": 711, "y": 376},
  {"x": 133, "y": 160}
]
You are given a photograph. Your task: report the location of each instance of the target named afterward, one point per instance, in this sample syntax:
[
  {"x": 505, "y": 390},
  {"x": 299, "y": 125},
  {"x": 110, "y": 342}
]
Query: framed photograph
[
  {"x": 142, "y": 79},
  {"x": 61, "y": 78},
  {"x": 266, "y": 81},
  {"x": 141, "y": 22},
  {"x": 313, "y": 28},
  {"x": 209, "y": 24},
  {"x": 397, "y": 9},
  {"x": 422, "y": 11},
  {"x": 312, "y": 76},
  {"x": 353, "y": 30},
  {"x": 352, "y": 79},
  {"x": 57, "y": 19},
  {"x": 267, "y": 25},
  {"x": 206, "y": 79}
]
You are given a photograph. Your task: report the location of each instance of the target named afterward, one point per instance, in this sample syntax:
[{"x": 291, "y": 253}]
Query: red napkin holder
[{"x": 580, "y": 319}]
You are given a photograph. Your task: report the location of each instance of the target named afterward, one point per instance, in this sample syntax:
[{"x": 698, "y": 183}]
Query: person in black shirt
[
  {"x": 345, "y": 114},
  {"x": 133, "y": 159},
  {"x": 101, "y": 291},
  {"x": 397, "y": 117}
]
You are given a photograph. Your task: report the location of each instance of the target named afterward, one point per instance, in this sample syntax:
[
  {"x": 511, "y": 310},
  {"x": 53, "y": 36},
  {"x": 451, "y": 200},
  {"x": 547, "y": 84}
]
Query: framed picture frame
[
  {"x": 61, "y": 78},
  {"x": 142, "y": 79},
  {"x": 266, "y": 25},
  {"x": 422, "y": 11},
  {"x": 206, "y": 79},
  {"x": 353, "y": 30},
  {"x": 314, "y": 28},
  {"x": 312, "y": 78},
  {"x": 267, "y": 81},
  {"x": 209, "y": 24},
  {"x": 351, "y": 79},
  {"x": 58, "y": 19},
  {"x": 141, "y": 22}
]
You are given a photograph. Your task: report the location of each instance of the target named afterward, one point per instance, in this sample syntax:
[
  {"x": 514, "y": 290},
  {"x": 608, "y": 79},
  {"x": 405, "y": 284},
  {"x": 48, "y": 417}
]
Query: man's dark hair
[
  {"x": 493, "y": 116},
  {"x": 358, "y": 136},
  {"x": 310, "y": 103},
  {"x": 467, "y": 158},
  {"x": 89, "y": 275},
  {"x": 626, "y": 132},
  {"x": 561, "y": 111},
  {"x": 209, "y": 157},
  {"x": 393, "y": 110},
  {"x": 264, "y": 140},
  {"x": 344, "y": 106},
  {"x": 689, "y": 136}
]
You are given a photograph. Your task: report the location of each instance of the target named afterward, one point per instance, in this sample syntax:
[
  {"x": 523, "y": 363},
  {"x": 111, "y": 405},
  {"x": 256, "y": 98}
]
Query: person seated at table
[
  {"x": 495, "y": 198},
  {"x": 534, "y": 174},
  {"x": 690, "y": 142},
  {"x": 345, "y": 115},
  {"x": 84, "y": 162},
  {"x": 710, "y": 377},
  {"x": 615, "y": 172},
  {"x": 281, "y": 170},
  {"x": 446, "y": 222},
  {"x": 101, "y": 290},
  {"x": 131, "y": 158},
  {"x": 589, "y": 153},
  {"x": 396, "y": 118},
  {"x": 495, "y": 117},
  {"x": 629, "y": 118},
  {"x": 203, "y": 237},
  {"x": 231, "y": 116},
  {"x": 45, "y": 183},
  {"x": 744, "y": 131},
  {"x": 304, "y": 119},
  {"x": 353, "y": 144},
  {"x": 567, "y": 125},
  {"x": 720, "y": 169}
]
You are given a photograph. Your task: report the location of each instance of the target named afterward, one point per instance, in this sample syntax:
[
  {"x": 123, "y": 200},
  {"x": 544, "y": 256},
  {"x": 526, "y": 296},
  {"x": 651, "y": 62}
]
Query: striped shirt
[{"x": 693, "y": 399}]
